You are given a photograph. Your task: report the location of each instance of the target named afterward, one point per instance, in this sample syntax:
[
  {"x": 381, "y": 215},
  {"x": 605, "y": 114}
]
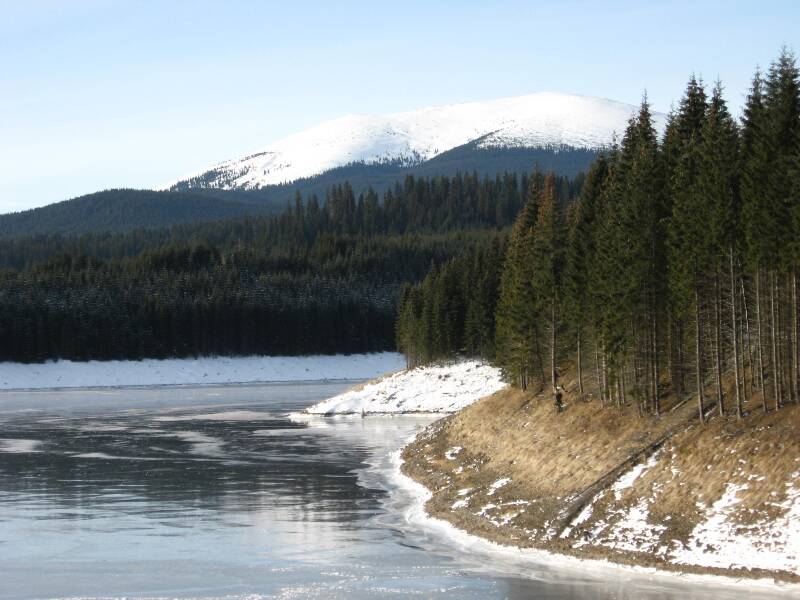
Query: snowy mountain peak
[{"x": 539, "y": 120}]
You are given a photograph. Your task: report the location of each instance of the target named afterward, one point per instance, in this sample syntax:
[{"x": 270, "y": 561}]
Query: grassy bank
[{"x": 602, "y": 482}]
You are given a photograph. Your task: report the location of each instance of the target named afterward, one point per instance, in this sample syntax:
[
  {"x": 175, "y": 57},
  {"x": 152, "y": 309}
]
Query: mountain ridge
[{"x": 541, "y": 120}]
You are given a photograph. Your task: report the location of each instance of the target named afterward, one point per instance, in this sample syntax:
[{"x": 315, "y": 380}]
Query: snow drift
[{"x": 429, "y": 389}]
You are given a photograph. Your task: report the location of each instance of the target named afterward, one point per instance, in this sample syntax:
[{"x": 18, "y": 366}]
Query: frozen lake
[{"x": 214, "y": 492}]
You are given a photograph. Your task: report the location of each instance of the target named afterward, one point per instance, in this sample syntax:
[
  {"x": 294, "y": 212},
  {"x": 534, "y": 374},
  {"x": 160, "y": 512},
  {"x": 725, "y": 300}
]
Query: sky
[{"x": 99, "y": 94}]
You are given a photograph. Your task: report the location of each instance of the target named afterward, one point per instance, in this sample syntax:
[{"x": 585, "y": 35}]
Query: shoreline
[
  {"x": 155, "y": 386},
  {"x": 482, "y": 443},
  {"x": 475, "y": 543},
  {"x": 201, "y": 371}
]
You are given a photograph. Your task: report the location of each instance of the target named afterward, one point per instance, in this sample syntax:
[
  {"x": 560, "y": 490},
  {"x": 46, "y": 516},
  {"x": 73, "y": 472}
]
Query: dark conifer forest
[
  {"x": 324, "y": 276},
  {"x": 673, "y": 270}
]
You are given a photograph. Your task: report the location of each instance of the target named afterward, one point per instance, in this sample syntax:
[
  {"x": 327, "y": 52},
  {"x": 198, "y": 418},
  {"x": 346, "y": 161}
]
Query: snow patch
[
  {"x": 719, "y": 541},
  {"x": 429, "y": 389},
  {"x": 634, "y": 532},
  {"x": 627, "y": 480},
  {"x": 453, "y": 452},
  {"x": 497, "y": 485}
]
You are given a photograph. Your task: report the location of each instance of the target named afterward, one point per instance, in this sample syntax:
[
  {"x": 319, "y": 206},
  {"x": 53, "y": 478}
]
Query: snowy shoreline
[
  {"x": 445, "y": 389},
  {"x": 66, "y": 374},
  {"x": 417, "y": 515}
]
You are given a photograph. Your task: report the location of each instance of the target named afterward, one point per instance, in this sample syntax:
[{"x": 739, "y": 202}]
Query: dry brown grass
[{"x": 551, "y": 457}]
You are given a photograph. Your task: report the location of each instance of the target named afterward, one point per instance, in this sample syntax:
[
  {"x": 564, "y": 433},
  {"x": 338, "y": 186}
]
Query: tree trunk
[
  {"x": 773, "y": 343},
  {"x": 788, "y": 347},
  {"x": 553, "y": 375},
  {"x": 623, "y": 399},
  {"x": 746, "y": 333},
  {"x": 786, "y": 355},
  {"x": 637, "y": 369},
  {"x": 656, "y": 402},
  {"x": 606, "y": 390},
  {"x": 580, "y": 365},
  {"x": 735, "y": 325},
  {"x": 598, "y": 377},
  {"x": 539, "y": 357},
  {"x": 718, "y": 344},
  {"x": 697, "y": 357},
  {"x": 796, "y": 335},
  {"x": 760, "y": 342},
  {"x": 670, "y": 357},
  {"x": 681, "y": 371}
]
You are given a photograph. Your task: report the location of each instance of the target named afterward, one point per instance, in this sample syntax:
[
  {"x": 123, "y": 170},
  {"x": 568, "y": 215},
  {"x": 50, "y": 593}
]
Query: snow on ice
[{"x": 193, "y": 371}]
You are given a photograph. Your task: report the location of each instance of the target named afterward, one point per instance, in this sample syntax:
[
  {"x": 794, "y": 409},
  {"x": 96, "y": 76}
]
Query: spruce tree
[
  {"x": 517, "y": 332},
  {"x": 782, "y": 120},
  {"x": 579, "y": 255},
  {"x": 718, "y": 191},
  {"x": 548, "y": 264},
  {"x": 756, "y": 220}
]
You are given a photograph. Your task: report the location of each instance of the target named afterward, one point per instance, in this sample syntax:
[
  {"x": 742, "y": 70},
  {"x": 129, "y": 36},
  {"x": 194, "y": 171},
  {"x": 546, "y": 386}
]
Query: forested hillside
[
  {"x": 674, "y": 269},
  {"x": 125, "y": 210},
  {"x": 197, "y": 201},
  {"x": 322, "y": 277}
]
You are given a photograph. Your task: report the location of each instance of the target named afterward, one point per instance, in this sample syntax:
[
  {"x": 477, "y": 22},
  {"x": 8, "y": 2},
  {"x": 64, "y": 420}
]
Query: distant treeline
[
  {"x": 323, "y": 277},
  {"x": 674, "y": 268}
]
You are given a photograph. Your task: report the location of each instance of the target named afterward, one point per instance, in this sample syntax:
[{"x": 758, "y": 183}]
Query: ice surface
[
  {"x": 188, "y": 371},
  {"x": 19, "y": 446}
]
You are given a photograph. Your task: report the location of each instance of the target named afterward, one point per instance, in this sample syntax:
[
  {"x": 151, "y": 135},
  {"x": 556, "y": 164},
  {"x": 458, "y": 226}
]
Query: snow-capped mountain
[{"x": 542, "y": 120}]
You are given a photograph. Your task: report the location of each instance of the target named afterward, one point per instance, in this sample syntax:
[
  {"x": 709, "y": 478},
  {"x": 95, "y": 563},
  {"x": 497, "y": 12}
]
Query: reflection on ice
[
  {"x": 235, "y": 500},
  {"x": 202, "y": 444},
  {"x": 232, "y": 415},
  {"x": 20, "y": 446}
]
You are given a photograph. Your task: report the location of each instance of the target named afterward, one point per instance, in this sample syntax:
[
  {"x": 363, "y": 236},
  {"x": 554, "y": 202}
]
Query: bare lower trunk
[
  {"x": 539, "y": 359},
  {"x": 656, "y": 391},
  {"x": 681, "y": 371},
  {"x": 598, "y": 377},
  {"x": 718, "y": 345},
  {"x": 636, "y": 355},
  {"x": 697, "y": 357},
  {"x": 775, "y": 370},
  {"x": 760, "y": 342},
  {"x": 623, "y": 399},
  {"x": 606, "y": 390},
  {"x": 670, "y": 357},
  {"x": 735, "y": 337},
  {"x": 580, "y": 365},
  {"x": 796, "y": 340},
  {"x": 787, "y": 352},
  {"x": 746, "y": 333},
  {"x": 553, "y": 374}
]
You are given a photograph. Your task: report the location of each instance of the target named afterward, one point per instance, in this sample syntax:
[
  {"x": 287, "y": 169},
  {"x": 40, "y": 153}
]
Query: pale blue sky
[{"x": 103, "y": 93}]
